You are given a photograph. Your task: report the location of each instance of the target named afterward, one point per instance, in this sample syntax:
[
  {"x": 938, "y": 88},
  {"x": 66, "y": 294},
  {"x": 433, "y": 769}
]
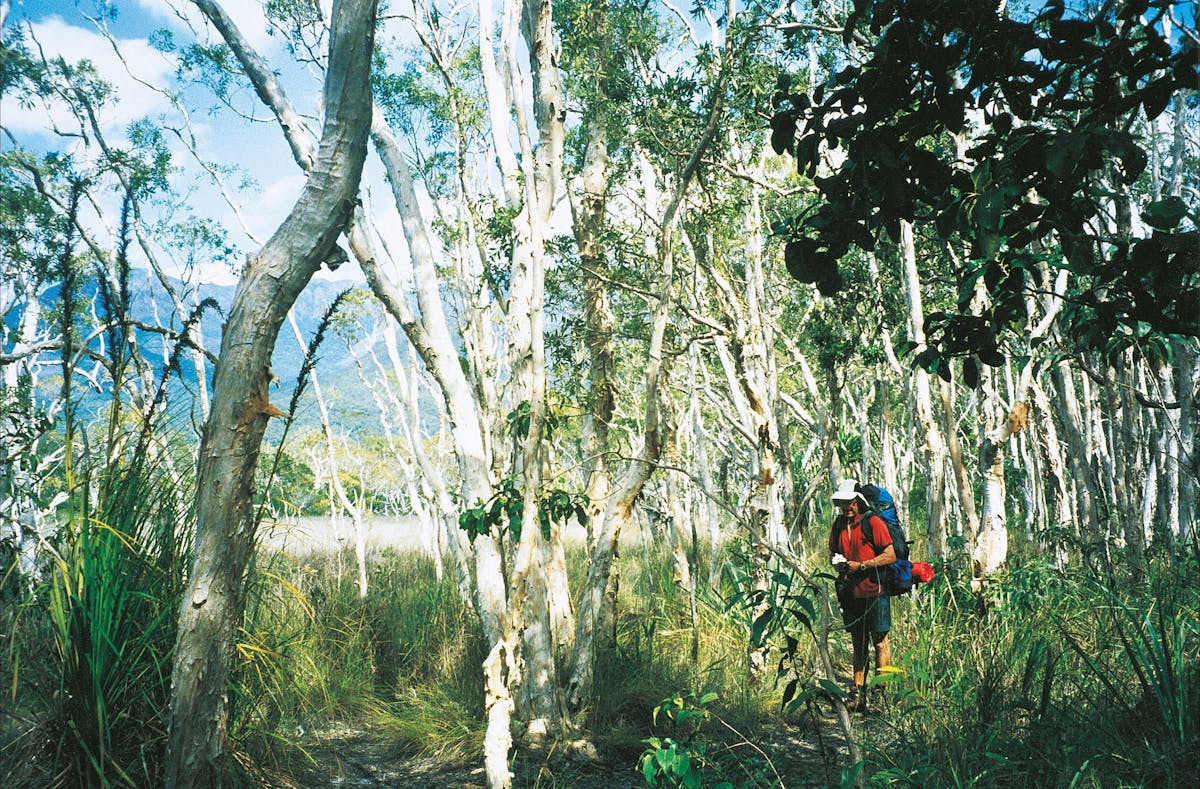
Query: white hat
[{"x": 846, "y": 491}]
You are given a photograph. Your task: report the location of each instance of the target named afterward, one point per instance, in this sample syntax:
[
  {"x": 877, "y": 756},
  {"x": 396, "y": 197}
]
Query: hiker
[{"x": 866, "y": 610}]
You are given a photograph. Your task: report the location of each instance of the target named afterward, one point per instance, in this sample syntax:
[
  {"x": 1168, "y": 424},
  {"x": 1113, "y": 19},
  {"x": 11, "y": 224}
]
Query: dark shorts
[{"x": 863, "y": 615}]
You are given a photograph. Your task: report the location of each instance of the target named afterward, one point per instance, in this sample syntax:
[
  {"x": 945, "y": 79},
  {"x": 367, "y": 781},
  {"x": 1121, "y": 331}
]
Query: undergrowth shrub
[{"x": 1047, "y": 679}]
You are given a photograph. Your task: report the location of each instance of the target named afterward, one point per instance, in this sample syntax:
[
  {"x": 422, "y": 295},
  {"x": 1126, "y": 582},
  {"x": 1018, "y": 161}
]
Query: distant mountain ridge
[{"x": 336, "y": 370}]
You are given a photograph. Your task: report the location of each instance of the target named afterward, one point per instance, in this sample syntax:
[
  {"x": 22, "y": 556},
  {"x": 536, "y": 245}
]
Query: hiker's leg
[
  {"x": 854, "y": 614},
  {"x": 883, "y": 659},
  {"x": 881, "y": 624},
  {"x": 883, "y": 651},
  {"x": 859, "y": 638}
]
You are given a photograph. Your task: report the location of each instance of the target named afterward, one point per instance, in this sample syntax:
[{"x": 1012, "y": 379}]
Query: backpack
[
  {"x": 896, "y": 578},
  {"x": 902, "y": 576},
  {"x": 883, "y": 505}
]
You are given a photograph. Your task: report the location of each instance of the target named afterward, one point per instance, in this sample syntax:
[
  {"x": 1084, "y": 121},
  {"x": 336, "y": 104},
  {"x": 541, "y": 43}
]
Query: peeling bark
[{"x": 213, "y": 604}]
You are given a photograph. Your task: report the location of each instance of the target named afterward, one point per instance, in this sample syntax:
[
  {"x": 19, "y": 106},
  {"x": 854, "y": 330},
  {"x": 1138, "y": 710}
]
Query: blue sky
[{"x": 124, "y": 57}]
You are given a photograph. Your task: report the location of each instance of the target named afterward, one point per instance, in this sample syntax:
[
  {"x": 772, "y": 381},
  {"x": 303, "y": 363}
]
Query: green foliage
[
  {"x": 214, "y": 67},
  {"x": 27, "y": 218},
  {"x": 1157, "y": 642},
  {"x": 200, "y": 240},
  {"x": 1050, "y": 678},
  {"x": 695, "y": 757},
  {"x": 93, "y": 646},
  {"x": 504, "y": 507},
  {"x": 680, "y": 763},
  {"x": 148, "y": 161},
  {"x": 1055, "y": 149},
  {"x": 292, "y": 491},
  {"x": 507, "y": 504},
  {"x": 313, "y": 653}
]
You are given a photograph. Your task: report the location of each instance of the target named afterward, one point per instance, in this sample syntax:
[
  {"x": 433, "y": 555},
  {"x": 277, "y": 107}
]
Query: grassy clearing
[{"x": 1048, "y": 679}]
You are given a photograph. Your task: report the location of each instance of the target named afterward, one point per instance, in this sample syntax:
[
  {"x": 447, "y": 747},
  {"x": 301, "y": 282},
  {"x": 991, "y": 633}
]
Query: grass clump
[
  {"x": 90, "y": 647},
  {"x": 403, "y": 663},
  {"x": 1047, "y": 679}
]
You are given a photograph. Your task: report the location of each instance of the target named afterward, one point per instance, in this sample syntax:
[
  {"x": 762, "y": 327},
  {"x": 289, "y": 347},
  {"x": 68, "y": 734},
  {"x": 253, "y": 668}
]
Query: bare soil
[{"x": 802, "y": 757}]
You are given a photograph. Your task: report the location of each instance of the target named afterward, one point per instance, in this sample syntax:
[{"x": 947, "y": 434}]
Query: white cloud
[
  {"x": 132, "y": 99},
  {"x": 248, "y": 16},
  {"x": 274, "y": 203}
]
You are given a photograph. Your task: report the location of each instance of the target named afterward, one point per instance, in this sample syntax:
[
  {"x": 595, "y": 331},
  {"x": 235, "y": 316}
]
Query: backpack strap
[{"x": 868, "y": 533}]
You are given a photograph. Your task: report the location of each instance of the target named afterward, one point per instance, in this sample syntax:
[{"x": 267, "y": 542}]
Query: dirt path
[
  {"x": 359, "y": 759},
  {"x": 801, "y": 756}
]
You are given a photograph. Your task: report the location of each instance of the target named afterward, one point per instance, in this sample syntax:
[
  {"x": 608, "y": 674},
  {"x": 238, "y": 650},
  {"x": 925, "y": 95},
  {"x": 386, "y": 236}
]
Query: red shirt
[{"x": 850, "y": 543}]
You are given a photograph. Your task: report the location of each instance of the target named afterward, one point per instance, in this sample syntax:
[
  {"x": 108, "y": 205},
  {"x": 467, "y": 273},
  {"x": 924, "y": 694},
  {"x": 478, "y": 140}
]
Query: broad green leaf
[
  {"x": 1165, "y": 214},
  {"x": 832, "y": 688}
]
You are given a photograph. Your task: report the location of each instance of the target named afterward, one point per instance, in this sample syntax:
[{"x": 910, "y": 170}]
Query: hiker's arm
[{"x": 886, "y": 557}]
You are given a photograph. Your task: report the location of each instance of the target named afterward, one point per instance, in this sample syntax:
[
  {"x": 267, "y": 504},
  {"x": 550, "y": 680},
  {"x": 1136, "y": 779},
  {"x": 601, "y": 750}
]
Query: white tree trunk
[
  {"x": 335, "y": 476},
  {"x": 1185, "y": 462},
  {"x": 1059, "y": 505},
  {"x": 934, "y": 444},
  {"x": 989, "y": 550}
]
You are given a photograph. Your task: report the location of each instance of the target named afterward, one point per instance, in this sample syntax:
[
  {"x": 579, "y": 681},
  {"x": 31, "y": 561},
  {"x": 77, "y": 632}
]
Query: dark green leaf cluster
[
  {"x": 28, "y": 222},
  {"x": 507, "y": 504},
  {"x": 21, "y": 75},
  {"x": 684, "y": 762},
  {"x": 1004, "y": 136}
]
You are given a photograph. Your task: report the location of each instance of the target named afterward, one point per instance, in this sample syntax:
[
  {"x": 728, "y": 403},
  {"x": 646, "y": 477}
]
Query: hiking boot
[{"x": 856, "y": 701}]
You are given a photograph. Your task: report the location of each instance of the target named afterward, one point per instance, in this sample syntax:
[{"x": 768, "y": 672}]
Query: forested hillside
[{"x": 607, "y": 298}]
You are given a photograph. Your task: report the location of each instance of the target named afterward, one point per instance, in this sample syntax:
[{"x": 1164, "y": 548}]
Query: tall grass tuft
[
  {"x": 1052, "y": 680},
  {"x": 649, "y": 653},
  {"x": 111, "y": 600},
  {"x": 1142, "y": 679},
  {"x": 90, "y": 648},
  {"x": 403, "y": 664}
]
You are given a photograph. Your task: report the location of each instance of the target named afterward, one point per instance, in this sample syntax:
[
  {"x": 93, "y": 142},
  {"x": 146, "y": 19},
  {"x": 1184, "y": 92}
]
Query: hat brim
[{"x": 844, "y": 498}]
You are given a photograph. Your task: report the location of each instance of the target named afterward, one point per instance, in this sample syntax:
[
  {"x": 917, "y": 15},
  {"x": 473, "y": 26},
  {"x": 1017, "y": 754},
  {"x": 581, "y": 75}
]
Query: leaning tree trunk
[{"x": 213, "y": 605}]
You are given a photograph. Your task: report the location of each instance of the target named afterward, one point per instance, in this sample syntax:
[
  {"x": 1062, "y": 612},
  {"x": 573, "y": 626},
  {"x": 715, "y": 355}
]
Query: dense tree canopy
[{"x": 1016, "y": 139}]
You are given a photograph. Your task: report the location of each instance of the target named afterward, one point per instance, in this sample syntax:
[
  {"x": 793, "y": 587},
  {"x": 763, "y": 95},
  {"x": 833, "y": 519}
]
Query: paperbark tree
[
  {"x": 934, "y": 444},
  {"x": 1005, "y": 417},
  {"x": 658, "y": 420},
  {"x": 340, "y": 496},
  {"x": 213, "y": 604}
]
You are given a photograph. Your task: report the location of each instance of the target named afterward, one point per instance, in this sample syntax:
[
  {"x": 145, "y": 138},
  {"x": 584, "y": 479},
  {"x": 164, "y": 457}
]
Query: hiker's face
[{"x": 850, "y": 507}]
